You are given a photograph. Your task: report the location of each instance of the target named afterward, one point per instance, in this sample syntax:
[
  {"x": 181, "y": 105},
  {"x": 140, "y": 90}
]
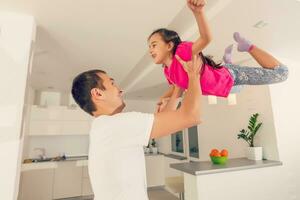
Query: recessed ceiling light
[{"x": 260, "y": 24}]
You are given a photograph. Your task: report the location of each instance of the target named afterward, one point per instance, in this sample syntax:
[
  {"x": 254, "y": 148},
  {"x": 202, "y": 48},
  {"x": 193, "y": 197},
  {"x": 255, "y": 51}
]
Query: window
[
  {"x": 193, "y": 142},
  {"x": 177, "y": 142},
  {"x": 185, "y": 142}
]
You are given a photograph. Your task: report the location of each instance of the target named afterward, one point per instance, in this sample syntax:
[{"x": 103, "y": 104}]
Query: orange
[
  {"x": 224, "y": 152},
  {"x": 217, "y": 154},
  {"x": 214, "y": 152}
]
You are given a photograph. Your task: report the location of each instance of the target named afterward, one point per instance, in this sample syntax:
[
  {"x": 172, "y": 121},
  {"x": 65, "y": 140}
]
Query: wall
[
  {"x": 16, "y": 35},
  {"x": 58, "y": 145},
  {"x": 222, "y": 123},
  {"x": 285, "y": 101}
]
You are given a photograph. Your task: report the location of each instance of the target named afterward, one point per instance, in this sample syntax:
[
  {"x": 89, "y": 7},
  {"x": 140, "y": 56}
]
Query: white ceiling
[{"x": 74, "y": 36}]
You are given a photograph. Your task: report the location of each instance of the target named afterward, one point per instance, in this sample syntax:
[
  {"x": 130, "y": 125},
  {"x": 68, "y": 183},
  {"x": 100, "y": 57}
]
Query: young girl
[{"x": 216, "y": 79}]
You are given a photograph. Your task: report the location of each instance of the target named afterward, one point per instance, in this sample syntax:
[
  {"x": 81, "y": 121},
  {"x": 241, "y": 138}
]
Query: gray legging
[{"x": 257, "y": 75}]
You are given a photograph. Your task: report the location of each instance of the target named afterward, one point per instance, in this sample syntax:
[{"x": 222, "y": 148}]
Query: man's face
[{"x": 112, "y": 93}]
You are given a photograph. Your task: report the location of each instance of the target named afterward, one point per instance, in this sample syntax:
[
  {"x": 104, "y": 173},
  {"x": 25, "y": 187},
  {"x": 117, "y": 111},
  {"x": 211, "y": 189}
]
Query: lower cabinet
[
  {"x": 86, "y": 184},
  {"x": 155, "y": 170},
  {"x": 36, "y": 185},
  {"x": 65, "y": 181}
]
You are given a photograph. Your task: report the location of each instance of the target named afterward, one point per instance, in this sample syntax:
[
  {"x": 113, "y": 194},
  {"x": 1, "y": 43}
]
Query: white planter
[
  {"x": 146, "y": 150},
  {"x": 254, "y": 153},
  {"x": 154, "y": 150}
]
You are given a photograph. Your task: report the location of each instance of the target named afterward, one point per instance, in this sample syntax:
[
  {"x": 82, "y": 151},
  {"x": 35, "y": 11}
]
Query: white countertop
[
  {"x": 54, "y": 164},
  {"x": 50, "y": 165}
]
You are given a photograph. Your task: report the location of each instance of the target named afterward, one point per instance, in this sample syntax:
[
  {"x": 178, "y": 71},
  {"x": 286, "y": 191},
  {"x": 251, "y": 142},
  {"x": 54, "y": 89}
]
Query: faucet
[{"x": 42, "y": 154}]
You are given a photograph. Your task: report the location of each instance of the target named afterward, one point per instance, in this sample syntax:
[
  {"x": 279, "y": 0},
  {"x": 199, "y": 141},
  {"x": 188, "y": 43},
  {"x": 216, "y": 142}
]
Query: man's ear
[{"x": 97, "y": 94}]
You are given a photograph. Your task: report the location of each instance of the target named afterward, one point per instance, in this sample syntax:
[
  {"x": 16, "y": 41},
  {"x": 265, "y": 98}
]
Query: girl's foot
[
  {"x": 243, "y": 44},
  {"x": 227, "y": 54}
]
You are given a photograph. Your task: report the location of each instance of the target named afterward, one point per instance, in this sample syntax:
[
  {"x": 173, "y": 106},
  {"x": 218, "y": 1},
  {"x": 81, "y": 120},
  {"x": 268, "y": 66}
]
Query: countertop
[
  {"x": 80, "y": 161},
  {"x": 236, "y": 164}
]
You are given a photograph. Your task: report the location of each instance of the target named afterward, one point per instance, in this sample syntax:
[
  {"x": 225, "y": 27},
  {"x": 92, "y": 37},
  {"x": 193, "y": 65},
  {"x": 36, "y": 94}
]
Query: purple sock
[
  {"x": 227, "y": 54},
  {"x": 243, "y": 44}
]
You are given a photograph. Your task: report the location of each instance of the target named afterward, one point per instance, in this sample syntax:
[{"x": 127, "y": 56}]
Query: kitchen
[{"x": 44, "y": 136}]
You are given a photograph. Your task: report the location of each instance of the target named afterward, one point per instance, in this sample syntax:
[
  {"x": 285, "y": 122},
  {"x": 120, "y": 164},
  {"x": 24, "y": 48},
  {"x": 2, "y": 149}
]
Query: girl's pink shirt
[{"x": 217, "y": 82}]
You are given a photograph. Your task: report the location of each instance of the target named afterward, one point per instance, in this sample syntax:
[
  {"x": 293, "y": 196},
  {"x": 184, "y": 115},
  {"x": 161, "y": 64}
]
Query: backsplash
[{"x": 56, "y": 145}]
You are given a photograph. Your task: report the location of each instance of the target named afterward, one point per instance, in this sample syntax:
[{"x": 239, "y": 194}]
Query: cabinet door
[
  {"x": 76, "y": 114},
  {"x": 155, "y": 170},
  {"x": 45, "y": 127},
  {"x": 86, "y": 184},
  {"x": 46, "y": 113},
  {"x": 67, "y": 180},
  {"x": 76, "y": 128},
  {"x": 36, "y": 185}
]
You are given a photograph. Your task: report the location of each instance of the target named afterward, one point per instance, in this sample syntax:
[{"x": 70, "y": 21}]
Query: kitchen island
[{"x": 239, "y": 178}]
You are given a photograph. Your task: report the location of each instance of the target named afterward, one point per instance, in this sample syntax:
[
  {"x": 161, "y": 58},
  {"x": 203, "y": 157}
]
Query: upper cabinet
[
  {"x": 39, "y": 113},
  {"x": 58, "y": 120}
]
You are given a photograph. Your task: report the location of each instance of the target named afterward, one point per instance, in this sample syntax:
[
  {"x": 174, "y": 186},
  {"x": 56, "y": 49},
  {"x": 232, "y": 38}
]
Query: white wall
[
  {"x": 16, "y": 36},
  {"x": 28, "y": 104},
  {"x": 222, "y": 122},
  {"x": 140, "y": 105},
  {"x": 58, "y": 145},
  {"x": 285, "y": 101}
]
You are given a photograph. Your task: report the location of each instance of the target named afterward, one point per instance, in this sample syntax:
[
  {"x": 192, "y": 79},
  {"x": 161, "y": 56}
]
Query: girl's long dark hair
[{"x": 172, "y": 36}]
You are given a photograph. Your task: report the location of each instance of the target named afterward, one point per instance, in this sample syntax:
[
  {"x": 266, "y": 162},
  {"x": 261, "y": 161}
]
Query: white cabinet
[
  {"x": 76, "y": 114},
  {"x": 58, "y": 120},
  {"x": 54, "y": 180},
  {"x": 155, "y": 170},
  {"x": 86, "y": 184},
  {"x": 36, "y": 185},
  {"x": 75, "y": 127},
  {"x": 67, "y": 180},
  {"x": 45, "y": 127},
  {"x": 39, "y": 113}
]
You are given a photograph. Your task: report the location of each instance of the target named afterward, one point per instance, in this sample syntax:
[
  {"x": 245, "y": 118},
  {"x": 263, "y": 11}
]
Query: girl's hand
[
  {"x": 192, "y": 67},
  {"x": 196, "y": 5}
]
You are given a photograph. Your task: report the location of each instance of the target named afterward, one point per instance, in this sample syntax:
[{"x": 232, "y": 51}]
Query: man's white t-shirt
[{"x": 116, "y": 156}]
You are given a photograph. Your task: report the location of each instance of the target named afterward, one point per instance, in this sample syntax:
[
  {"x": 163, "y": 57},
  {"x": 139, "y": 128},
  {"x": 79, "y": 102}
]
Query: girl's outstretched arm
[{"x": 197, "y": 8}]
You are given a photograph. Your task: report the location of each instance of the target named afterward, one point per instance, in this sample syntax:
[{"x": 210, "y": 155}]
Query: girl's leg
[
  {"x": 262, "y": 57},
  {"x": 257, "y": 76},
  {"x": 227, "y": 54}
]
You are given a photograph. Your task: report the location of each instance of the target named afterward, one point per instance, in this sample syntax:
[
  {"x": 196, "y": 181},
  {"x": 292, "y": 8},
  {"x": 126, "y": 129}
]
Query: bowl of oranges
[{"x": 218, "y": 157}]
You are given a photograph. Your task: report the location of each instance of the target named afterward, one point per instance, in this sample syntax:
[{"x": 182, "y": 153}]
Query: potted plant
[
  {"x": 154, "y": 149},
  {"x": 252, "y": 152}
]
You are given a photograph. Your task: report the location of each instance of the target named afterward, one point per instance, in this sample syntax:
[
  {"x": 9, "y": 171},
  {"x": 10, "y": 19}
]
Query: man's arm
[
  {"x": 188, "y": 114},
  {"x": 172, "y": 102}
]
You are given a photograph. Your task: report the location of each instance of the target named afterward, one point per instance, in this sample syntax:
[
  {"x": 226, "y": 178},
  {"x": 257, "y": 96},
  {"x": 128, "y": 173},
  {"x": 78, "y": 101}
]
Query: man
[{"x": 116, "y": 156}]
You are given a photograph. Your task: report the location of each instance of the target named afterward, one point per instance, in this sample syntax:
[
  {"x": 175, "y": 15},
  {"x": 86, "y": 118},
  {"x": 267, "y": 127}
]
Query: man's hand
[
  {"x": 192, "y": 67},
  {"x": 196, "y": 5},
  {"x": 161, "y": 104}
]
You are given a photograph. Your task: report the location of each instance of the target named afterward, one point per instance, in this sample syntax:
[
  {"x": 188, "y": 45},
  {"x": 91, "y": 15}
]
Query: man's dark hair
[{"x": 82, "y": 86}]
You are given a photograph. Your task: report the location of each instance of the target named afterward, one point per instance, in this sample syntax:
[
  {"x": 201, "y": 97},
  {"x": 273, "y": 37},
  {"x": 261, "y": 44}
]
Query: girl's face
[{"x": 159, "y": 50}]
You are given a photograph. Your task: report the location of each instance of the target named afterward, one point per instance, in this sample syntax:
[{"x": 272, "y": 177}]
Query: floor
[{"x": 154, "y": 194}]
